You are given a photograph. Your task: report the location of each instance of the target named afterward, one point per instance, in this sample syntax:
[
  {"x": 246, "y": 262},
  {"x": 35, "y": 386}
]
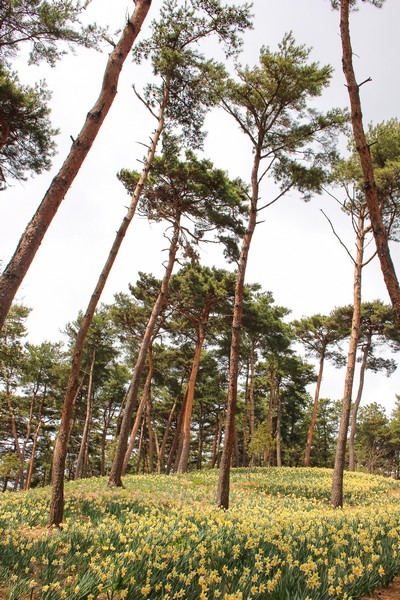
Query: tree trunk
[
  {"x": 29, "y": 474},
  {"x": 338, "y": 470},
  {"x": 224, "y": 474},
  {"x": 83, "y": 450},
  {"x": 314, "y": 410},
  {"x": 216, "y": 443},
  {"x": 117, "y": 467},
  {"x": 4, "y": 131},
  {"x": 57, "y": 502},
  {"x": 356, "y": 405},
  {"x": 140, "y": 447},
  {"x": 174, "y": 451},
  {"x": 20, "y": 475},
  {"x": 33, "y": 235},
  {"x": 107, "y": 416},
  {"x": 161, "y": 453},
  {"x": 278, "y": 432},
  {"x": 379, "y": 230},
  {"x": 139, "y": 413},
  {"x": 14, "y": 433},
  {"x": 150, "y": 430},
  {"x": 246, "y": 418},
  {"x": 200, "y": 447},
  {"x": 184, "y": 456}
]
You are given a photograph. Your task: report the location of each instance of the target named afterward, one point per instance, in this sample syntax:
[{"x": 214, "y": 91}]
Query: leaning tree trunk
[
  {"x": 20, "y": 476},
  {"x": 314, "y": 410},
  {"x": 174, "y": 452},
  {"x": 117, "y": 466},
  {"x": 161, "y": 453},
  {"x": 4, "y": 130},
  {"x": 139, "y": 412},
  {"x": 356, "y": 405},
  {"x": 81, "y": 466},
  {"x": 363, "y": 148},
  {"x": 14, "y": 433},
  {"x": 33, "y": 235},
  {"x": 251, "y": 394},
  {"x": 187, "y": 417},
  {"x": 150, "y": 433},
  {"x": 107, "y": 416},
  {"x": 245, "y": 440},
  {"x": 216, "y": 443},
  {"x": 225, "y": 467},
  {"x": 278, "y": 434},
  {"x": 338, "y": 470},
  {"x": 31, "y": 463},
  {"x": 60, "y": 451}
]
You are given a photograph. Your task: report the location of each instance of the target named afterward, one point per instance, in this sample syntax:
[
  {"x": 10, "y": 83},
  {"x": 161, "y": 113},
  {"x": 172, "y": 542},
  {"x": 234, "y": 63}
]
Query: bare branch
[
  {"x": 143, "y": 101},
  {"x": 337, "y": 237}
]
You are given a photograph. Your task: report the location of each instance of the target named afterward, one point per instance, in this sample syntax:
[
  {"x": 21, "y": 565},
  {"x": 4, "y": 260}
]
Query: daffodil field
[{"x": 162, "y": 538}]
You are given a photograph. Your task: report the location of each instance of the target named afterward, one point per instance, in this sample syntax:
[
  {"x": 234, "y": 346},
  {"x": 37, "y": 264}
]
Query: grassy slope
[{"x": 162, "y": 538}]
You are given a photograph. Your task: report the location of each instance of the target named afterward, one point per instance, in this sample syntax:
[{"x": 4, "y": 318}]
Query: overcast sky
[{"x": 294, "y": 253}]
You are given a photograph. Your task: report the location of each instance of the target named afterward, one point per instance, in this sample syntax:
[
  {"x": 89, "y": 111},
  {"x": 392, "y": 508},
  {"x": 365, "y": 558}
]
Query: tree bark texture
[
  {"x": 338, "y": 470},
  {"x": 161, "y": 453},
  {"x": 35, "y": 231},
  {"x": 83, "y": 450},
  {"x": 314, "y": 410},
  {"x": 117, "y": 467},
  {"x": 225, "y": 466},
  {"x": 380, "y": 233},
  {"x": 31, "y": 463},
  {"x": 174, "y": 452},
  {"x": 356, "y": 405},
  {"x": 184, "y": 456},
  {"x": 139, "y": 412},
  {"x": 56, "y": 511}
]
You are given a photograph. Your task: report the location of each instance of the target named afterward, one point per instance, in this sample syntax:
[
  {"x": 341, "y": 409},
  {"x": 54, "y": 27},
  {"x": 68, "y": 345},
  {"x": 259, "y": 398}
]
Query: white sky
[{"x": 294, "y": 254}]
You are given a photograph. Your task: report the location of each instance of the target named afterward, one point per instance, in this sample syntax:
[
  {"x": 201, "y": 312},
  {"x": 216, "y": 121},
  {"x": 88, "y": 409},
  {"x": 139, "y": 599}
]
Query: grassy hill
[{"x": 162, "y": 538}]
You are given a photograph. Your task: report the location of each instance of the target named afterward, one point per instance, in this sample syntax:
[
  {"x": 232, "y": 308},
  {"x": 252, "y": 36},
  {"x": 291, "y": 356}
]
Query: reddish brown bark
[
  {"x": 225, "y": 466},
  {"x": 314, "y": 410},
  {"x": 356, "y": 405},
  {"x": 379, "y": 230},
  {"x": 34, "y": 444},
  {"x": 139, "y": 412},
  {"x": 4, "y": 131},
  {"x": 117, "y": 467},
  {"x": 56, "y": 510},
  {"x": 33, "y": 235},
  {"x": 184, "y": 455},
  {"x": 338, "y": 470},
  {"x": 176, "y": 446},
  {"x": 161, "y": 451},
  {"x": 83, "y": 455}
]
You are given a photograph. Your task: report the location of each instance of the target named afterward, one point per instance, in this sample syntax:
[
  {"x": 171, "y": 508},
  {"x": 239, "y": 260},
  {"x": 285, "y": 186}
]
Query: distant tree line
[{"x": 178, "y": 423}]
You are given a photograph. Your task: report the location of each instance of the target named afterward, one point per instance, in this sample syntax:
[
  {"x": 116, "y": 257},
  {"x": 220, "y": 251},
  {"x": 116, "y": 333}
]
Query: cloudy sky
[{"x": 294, "y": 253}]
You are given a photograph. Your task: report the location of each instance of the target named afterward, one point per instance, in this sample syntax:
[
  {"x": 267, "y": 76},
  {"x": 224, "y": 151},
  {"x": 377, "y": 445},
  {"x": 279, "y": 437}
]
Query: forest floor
[{"x": 390, "y": 593}]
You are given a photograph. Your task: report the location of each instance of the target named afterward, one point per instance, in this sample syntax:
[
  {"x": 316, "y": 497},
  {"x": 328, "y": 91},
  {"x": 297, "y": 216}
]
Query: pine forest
[{"x": 170, "y": 425}]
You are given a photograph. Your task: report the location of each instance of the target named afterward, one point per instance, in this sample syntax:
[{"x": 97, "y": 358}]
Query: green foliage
[
  {"x": 195, "y": 190},
  {"x": 9, "y": 465},
  {"x": 384, "y": 140},
  {"x": 354, "y": 3},
  {"x": 44, "y": 25},
  {"x": 182, "y": 71},
  {"x": 272, "y": 103},
  {"x": 262, "y": 441},
  {"x": 26, "y": 135},
  {"x": 372, "y": 447},
  {"x": 321, "y": 335}
]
